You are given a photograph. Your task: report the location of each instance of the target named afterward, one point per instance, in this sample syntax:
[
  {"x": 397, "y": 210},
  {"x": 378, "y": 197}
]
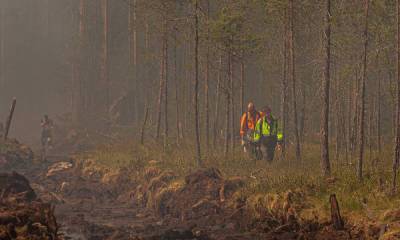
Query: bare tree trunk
[
  {"x": 165, "y": 54},
  {"x": 325, "y": 163},
  {"x": 348, "y": 120},
  {"x": 284, "y": 90},
  {"x": 337, "y": 117},
  {"x": 133, "y": 83},
  {"x": 293, "y": 76},
  {"x": 147, "y": 69},
  {"x": 232, "y": 103},
  {"x": 217, "y": 100},
  {"x": 79, "y": 103},
  {"x": 396, "y": 156},
  {"x": 362, "y": 110},
  {"x": 188, "y": 118},
  {"x": 104, "y": 63},
  {"x": 355, "y": 111},
  {"x": 206, "y": 83},
  {"x": 227, "y": 108},
  {"x": 142, "y": 133},
  {"x": 175, "y": 66},
  {"x": 242, "y": 80},
  {"x": 378, "y": 114},
  {"x": 160, "y": 93},
  {"x": 371, "y": 126},
  {"x": 2, "y": 46},
  {"x": 303, "y": 119},
  {"x": 196, "y": 84}
]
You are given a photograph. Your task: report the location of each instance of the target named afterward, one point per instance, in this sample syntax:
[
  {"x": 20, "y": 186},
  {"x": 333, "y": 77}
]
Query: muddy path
[
  {"x": 92, "y": 204},
  {"x": 89, "y": 209}
]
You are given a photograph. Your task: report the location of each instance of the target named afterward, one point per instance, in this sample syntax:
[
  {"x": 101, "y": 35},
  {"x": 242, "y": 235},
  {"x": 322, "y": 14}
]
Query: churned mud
[{"x": 67, "y": 198}]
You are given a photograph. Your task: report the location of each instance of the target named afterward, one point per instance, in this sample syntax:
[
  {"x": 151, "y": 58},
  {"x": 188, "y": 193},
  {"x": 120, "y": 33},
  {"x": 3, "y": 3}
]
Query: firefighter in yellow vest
[{"x": 268, "y": 134}]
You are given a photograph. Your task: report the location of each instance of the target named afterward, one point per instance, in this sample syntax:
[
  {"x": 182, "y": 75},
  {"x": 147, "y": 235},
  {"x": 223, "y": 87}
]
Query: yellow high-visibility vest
[{"x": 263, "y": 128}]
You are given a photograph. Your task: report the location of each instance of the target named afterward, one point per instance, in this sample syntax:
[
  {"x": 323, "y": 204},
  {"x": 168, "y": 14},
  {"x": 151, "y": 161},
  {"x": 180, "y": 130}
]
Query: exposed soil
[{"x": 91, "y": 204}]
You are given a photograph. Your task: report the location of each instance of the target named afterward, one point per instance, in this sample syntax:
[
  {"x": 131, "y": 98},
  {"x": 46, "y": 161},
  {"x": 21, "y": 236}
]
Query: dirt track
[{"x": 91, "y": 205}]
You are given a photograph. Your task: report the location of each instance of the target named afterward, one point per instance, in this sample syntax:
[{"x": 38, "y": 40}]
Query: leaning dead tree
[{"x": 9, "y": 119}]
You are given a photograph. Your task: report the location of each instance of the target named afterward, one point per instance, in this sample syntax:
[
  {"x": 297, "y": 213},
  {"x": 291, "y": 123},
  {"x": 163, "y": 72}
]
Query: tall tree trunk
[
  {"x": 362, "y": 110},
  {"x": 104, "y": 61},
  {"x": 325, "y": 163},
  {"x": 227, "y": 111},
  {"x": 232, "y": 102},
  {"x": 165, "y": 54},
  {"x": 303, "y": 119},
  {"x": 348, "y": 120},
  {"x": 175, "y": 70},
  {"x": 372, "y": 109},
  {"x": 396, "y": 156},
  {"x": 133, "y": 83},
  {"x": 337, "y": 116},
  {"x": 293, "y": 77},
  {"x": 228, "y": 107},
  {"x": 242, "y": 80},
  {"x": 142, "y": 132},
  {"x": 160, "y": 93},
  {"x": 79, "y": 103},
  {"x": 206, "y": 82},
  {"x": 2, "y": 46},
  {"x": 379, "y": 111},
  {"x": 284, "y": 90},
  {"x": 217, "y": 100},
  {"x": 196, "y": 84},
  {"x": 355, "y": 121}
]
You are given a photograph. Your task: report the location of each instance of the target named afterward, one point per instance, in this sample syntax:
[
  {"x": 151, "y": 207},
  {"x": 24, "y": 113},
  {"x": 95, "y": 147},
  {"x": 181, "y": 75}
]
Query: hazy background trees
[{"x": 82, "y": 58}]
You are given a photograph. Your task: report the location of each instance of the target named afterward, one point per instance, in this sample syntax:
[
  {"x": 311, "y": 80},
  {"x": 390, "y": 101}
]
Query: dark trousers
[{"x": 267, "y": 147}]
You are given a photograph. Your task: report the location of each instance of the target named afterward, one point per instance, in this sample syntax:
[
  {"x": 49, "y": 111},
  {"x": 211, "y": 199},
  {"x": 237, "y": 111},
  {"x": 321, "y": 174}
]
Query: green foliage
[{"x": 232, "y": 30}]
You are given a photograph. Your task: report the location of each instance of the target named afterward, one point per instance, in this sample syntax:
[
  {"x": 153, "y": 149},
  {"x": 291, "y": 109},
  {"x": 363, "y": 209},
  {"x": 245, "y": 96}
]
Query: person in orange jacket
[{"x": 247, "y": 125}]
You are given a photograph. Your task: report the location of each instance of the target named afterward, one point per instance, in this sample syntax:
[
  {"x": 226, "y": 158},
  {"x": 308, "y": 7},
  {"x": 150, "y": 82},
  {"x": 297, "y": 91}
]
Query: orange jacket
[{"x": 248, "y": 121}]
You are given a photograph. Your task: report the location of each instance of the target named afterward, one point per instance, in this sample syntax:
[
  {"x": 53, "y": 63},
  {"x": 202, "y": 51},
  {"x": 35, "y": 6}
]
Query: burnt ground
[{"x": 155, "y": 204}]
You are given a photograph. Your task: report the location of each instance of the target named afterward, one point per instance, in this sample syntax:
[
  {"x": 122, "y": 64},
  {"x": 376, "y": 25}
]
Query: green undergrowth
[{"x": 368, "y": 199}]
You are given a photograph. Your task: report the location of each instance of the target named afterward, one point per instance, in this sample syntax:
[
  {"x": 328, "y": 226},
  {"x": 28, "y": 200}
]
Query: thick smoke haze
[
  {"x": 35, "y": 46},
  {"x": 38, "y": 38}
]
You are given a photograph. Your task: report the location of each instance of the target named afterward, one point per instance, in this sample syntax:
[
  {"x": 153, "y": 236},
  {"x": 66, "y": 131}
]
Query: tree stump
[{"x": 335, "y": 213}]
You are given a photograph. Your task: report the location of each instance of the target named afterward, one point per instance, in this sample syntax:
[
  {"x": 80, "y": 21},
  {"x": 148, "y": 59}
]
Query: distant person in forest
[
  {"x": 47, "y": 131},
  {"x": 247, "y": 125},
  {"x": 268, "y": 134}
]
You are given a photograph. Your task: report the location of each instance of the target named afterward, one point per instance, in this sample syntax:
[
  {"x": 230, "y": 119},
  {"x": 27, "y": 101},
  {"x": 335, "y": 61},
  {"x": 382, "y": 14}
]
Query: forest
[{"x": 146, "y": 100}]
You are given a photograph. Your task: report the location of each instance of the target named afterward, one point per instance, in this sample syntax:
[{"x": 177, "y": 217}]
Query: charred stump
[{"x": 336, "y": 218}]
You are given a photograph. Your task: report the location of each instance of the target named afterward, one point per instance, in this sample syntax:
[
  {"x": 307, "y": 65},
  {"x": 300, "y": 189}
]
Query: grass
[{"x": 368, "y": 199}]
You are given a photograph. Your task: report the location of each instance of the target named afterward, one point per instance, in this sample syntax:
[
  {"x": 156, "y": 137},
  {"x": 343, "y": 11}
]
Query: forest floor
[{"x": 128, "y": 191}]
